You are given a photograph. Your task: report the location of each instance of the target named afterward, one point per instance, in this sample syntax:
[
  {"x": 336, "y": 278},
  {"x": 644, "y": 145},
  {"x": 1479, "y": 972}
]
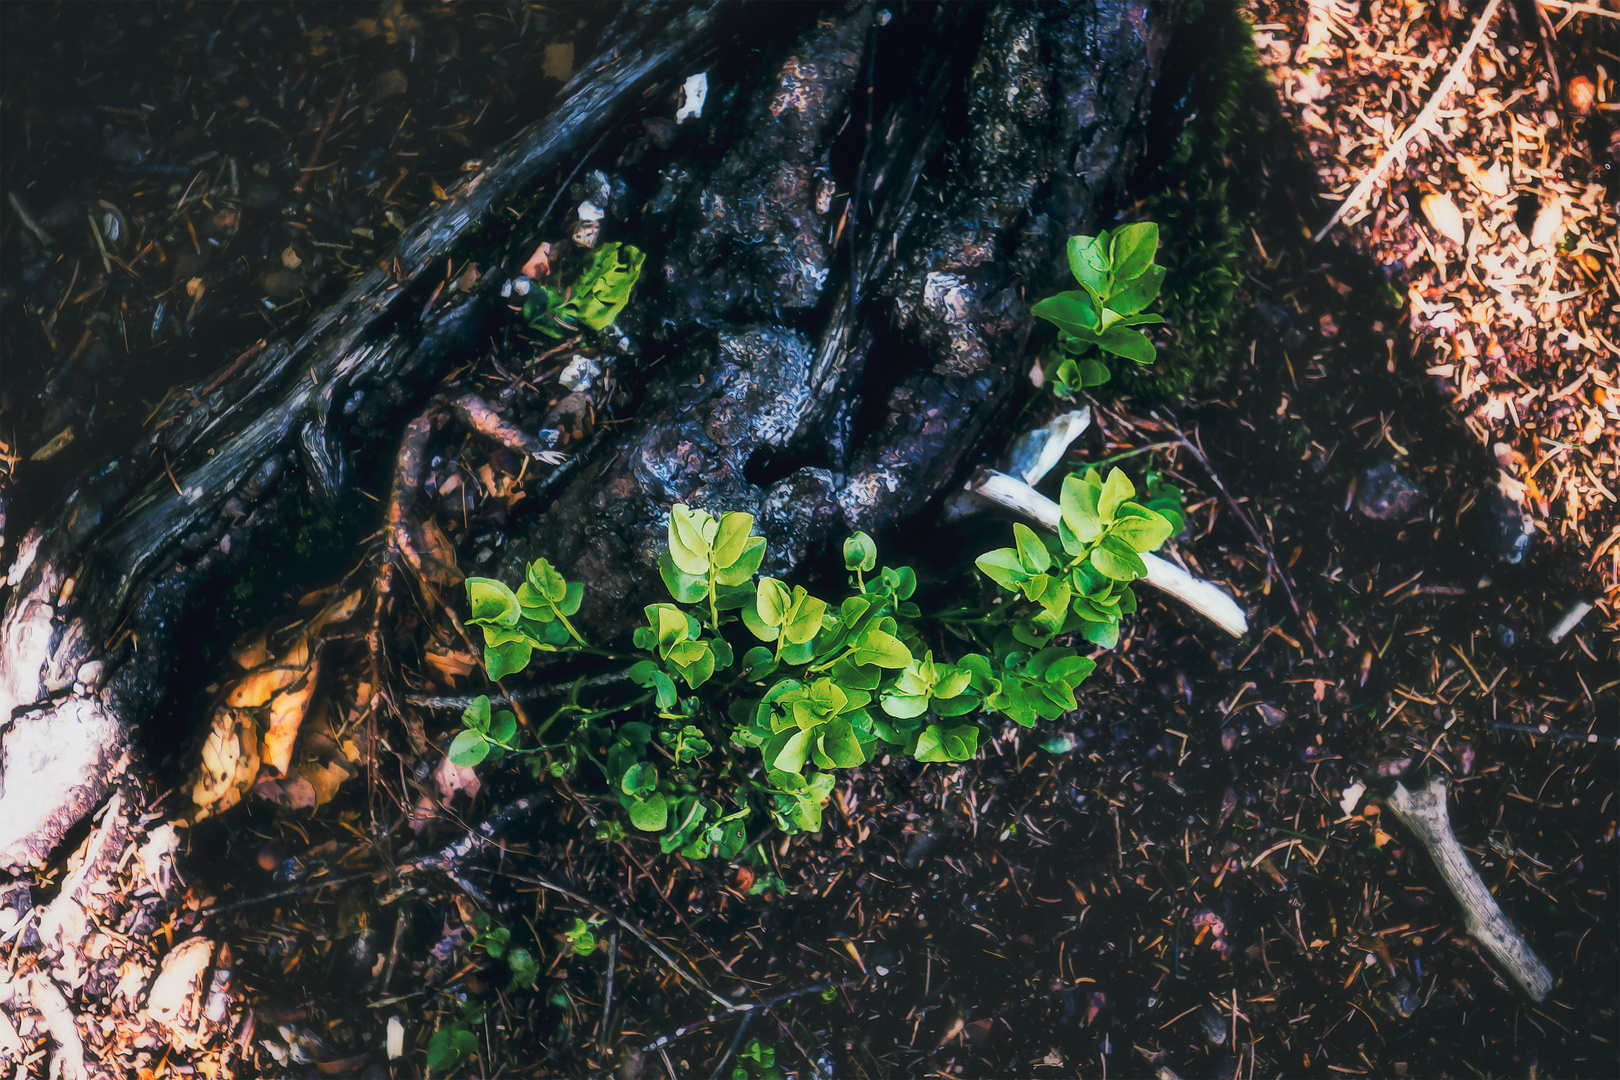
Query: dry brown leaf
[
  {"x": 452, "y": 778},
  {"x": 252, "y": 650},
  {"x": 449, "y": 662},
  {"x": 288, "y": 704},
  {"x": 559, "y": 60},
  {"x": 178, "y": 980},
  {"x": 322, "y": 780},
  {"x": 1492, "y": 181},
  {"x": 1549, "y": 224},
  {"x": 539, "y": 263},
  {"x": 229, "y": 763},
  {"x": 438, "y": 556}
]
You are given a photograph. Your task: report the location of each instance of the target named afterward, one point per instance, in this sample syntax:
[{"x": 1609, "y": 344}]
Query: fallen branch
[
  {"x": 1201, "y": 596},
  {"x": 1418, "y": 124},
  {"x": 1423, "y": 812}
]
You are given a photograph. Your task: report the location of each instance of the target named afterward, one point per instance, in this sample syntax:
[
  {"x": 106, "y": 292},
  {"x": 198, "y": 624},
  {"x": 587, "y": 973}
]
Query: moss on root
[{"x": 1206, "y": 183}]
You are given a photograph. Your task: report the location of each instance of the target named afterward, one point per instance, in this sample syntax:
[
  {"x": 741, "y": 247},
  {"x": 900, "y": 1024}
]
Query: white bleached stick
[
  {"x": 1201, "y": 596},
  {"x": 1423, "y": 812}
]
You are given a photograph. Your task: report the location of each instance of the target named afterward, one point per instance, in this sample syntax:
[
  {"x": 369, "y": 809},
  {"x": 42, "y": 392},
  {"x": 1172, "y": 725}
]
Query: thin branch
[
  {"x": 1422, "y": 121},
  {"x": 641, "y": 935},
  {"x": 1423, "y": 812}
]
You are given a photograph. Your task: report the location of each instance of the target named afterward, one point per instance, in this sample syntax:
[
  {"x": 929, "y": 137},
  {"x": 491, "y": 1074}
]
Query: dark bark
[{"x": 823, "y": 376}]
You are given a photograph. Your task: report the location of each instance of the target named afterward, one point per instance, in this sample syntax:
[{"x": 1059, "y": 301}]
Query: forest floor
[{"x": 1193, "y": 874}]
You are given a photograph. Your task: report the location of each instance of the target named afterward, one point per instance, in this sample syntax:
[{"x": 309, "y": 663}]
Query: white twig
[
  {"x": 1423, "y": 812},
  {"x": 1571, "y": 617},
  {"x": 1201, "y": 596},
  {"x": 40, "y": 992},
  {"x": 1422, "y": 121}
]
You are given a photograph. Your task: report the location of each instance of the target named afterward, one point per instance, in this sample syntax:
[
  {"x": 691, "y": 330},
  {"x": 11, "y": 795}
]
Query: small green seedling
[
  {"x": 594, "y": 300},
  {"x": 756, "y": 1061},
  {"x": 1118, "y": 279},
  {"x": 454, "y": 1044}
]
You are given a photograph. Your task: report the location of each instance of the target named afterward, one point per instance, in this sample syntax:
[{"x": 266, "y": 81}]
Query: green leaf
[
  {"x": 1130, "y": 297},
  {"x": 507, "y": 659},
  {"x": 860, "y": 553},
  {"x": 524, "y": 967},
  {"x": 747, "y": 563},
  {"x": 492, "y": 602},
  {"x": 1076, "y": 313},
  {"x": 759, "y": 662},
  {"x": 1115, "y": 490},
  {"x": 880, "y": 649},
  {"x": 759, "y": 627},
  {"x": 1131, "y": 344},
  {"x": 688, "y": 546},
  {"x": 903, "y": 705},
  {"x": 804, "y": 617},
  {"x": 543, "y": 578},
  {"x": 836, "y": 746},
  {"x": 1078, "y": 503},
  {"x": 1103, "y": 634},
  {"x": 1071, "y": 671},
  {"x": 1120, "y": 567},
  {"x": 1140, "y": 528},
  {"x": 947, "y": 744},
  {"x": 1031, "y": 552},
  {"x": 1091, "y": 372},
  {"x": 468, "y": 748},
  {"x": 1132, "y": 248},
  {"x": 503, "y": 727},
  {"x": 1089, "y": 262},
  {"x": 772, "y": 602},
  {"x": 788, "y": 751},
  {"x": 572, "y": 598},
  {"x": 476, "y": 714},
  {"x": 1004, "y": 567},
  {"x": 683, "y": 587},
  {"x": 449, "y": 1046},
  {"x": 639, "y": 780},
  {"x": 730, "y": 538},
  {"x": 650, "y": 814}
]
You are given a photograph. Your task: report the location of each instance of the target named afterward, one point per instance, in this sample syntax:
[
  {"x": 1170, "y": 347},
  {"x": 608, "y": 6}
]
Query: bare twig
[
  {"x": 1423, "y": 812},
  {"x": 42, "y": 993},
  {"x": 641, "y": 935},
  {"x": 320, "y": 141},
  {"x": 1418, "y": 124}
]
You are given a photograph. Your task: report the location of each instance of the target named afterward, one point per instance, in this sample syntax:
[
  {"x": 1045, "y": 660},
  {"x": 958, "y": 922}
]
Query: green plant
[
  {"x": 594, "y": 300},
  {"x": 1118, "y": 279},
  {"x": 756, "y": 1061},
  {"x": 581, "y": 936},
  {"x": 1206, "y": 190},
  {"x": 496, "y": 943},
  {"x": 454, "y": 1044},
  {"x": 812, "y": 687}
]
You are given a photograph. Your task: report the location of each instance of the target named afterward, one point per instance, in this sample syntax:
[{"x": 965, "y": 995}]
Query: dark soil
[{"x": 1167, "y": 882}]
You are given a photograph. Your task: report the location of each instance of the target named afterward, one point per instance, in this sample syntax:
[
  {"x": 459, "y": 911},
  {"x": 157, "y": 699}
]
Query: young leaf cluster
[
  {"x": 1118, "y": 280},
  {"x": 1079, "y": 582}
]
